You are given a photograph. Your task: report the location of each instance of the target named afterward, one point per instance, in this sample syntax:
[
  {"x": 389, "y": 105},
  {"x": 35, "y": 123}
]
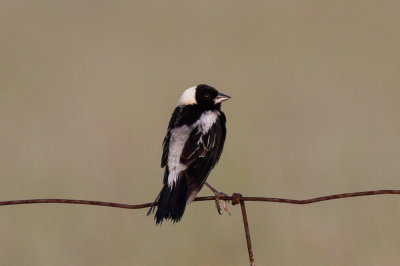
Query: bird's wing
[
  {"x": 201, "y": 152},
  {"x": 165, "y": 145}
]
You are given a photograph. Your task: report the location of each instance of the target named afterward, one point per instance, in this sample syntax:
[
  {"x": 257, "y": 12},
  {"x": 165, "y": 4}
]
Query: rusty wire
[{"x": 236, "y": 198}]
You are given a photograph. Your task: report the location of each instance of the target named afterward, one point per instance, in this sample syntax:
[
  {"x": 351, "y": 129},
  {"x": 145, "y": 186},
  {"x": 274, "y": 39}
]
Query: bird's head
[{"x": 204, "y": 96}]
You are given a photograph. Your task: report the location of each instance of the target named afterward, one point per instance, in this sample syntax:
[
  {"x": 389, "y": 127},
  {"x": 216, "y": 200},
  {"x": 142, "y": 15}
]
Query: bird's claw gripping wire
[
  {"x": 218, "y": 195},
  {"x": 217, "y": 204}
]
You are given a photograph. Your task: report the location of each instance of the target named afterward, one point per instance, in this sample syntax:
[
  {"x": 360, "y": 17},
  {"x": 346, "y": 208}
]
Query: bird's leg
[{"x": 217, "y": 196}]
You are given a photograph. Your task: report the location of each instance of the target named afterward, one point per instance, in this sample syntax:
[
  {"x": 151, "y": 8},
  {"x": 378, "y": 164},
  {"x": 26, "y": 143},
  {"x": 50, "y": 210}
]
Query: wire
[{"x": 236, "y": 198}]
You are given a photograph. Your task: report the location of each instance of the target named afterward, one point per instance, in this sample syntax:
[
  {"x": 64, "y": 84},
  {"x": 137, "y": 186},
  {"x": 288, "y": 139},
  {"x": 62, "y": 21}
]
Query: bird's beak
[{"x": 221, "y": 98}]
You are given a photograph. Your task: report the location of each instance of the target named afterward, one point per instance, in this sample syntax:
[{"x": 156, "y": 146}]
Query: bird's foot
[
  {"x": 217, "y": 202},
  {"x": 217, "y": 199}
]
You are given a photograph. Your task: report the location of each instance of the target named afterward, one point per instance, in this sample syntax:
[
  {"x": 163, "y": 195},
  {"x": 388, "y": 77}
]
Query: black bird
[{"x": 191, "y": 148}]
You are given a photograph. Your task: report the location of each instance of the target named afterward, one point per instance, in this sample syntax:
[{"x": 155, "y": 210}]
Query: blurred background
[{"x": 86, "y": 92}]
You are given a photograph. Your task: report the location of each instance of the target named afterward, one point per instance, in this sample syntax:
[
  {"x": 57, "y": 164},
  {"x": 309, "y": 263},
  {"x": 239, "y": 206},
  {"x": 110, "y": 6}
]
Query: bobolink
[{"x": 191, "y": 148}]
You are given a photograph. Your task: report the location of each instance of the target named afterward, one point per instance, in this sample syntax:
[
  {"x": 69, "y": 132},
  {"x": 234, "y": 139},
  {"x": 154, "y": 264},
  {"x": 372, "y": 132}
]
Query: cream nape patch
[{"x": 188, "y": 97}]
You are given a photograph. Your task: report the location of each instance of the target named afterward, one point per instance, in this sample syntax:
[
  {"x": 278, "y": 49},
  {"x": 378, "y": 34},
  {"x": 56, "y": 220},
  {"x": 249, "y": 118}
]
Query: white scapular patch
[
  {"x": 207, "y": 120},
  {"x": 188, "y": 97},
  {"x": 179, "y": 136}
]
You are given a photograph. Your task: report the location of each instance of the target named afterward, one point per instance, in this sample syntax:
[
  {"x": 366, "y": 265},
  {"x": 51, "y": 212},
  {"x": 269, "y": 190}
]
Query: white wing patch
[
  {"x": 178, "y": 139},
  {"x": 179, "y": 136}
]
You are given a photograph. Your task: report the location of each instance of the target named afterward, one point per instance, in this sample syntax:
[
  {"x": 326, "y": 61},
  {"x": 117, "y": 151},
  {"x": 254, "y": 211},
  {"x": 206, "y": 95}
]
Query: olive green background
[{"x": 86, "y": 92}]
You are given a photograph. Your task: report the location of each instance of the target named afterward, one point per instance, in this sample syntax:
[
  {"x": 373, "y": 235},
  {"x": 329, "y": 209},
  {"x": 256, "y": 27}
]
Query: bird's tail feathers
[{"x": 171, "y": 202}]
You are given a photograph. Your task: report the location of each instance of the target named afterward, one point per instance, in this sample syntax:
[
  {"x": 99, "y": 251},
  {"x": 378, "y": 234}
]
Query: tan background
[{"x": 86, "y": 92}]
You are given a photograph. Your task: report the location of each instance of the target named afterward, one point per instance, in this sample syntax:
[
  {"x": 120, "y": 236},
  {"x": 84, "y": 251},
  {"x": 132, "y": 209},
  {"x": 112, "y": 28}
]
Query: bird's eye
[{"x": 207, "y": 96}]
